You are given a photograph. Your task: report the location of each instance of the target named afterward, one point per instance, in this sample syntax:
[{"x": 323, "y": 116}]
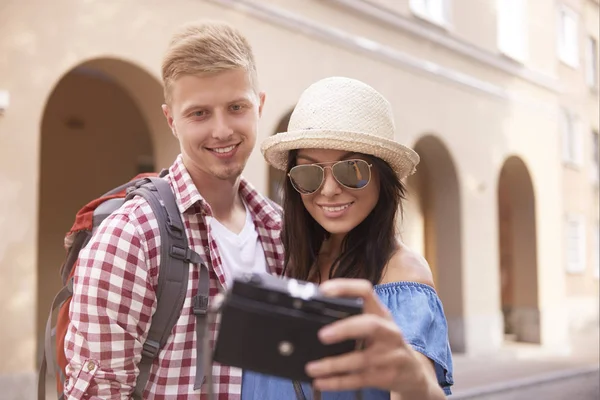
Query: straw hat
[{"x": 342, "y": 114}]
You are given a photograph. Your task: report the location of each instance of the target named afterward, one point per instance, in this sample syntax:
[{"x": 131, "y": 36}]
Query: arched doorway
[
  {"x": 433, "y": 226},
  {"x": 277, "y": 177},
  {"x": 95, "y": 135},
  {"x": 518, "y": 252}
]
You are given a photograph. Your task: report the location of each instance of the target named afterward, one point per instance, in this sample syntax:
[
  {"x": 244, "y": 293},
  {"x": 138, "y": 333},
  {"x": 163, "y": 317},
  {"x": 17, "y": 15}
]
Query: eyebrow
[
  {"x": 344, "y": 157},
  {"x": 242, "y": 99}
]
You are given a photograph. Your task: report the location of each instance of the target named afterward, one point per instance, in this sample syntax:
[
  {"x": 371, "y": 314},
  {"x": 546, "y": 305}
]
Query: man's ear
[
  {"x": 261, "y": 97},
  {"x": 168, "y": 115}
]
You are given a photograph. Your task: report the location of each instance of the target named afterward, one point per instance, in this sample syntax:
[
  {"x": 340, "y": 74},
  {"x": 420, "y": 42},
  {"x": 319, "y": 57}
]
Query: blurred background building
[{"x": 499, "y": 98}]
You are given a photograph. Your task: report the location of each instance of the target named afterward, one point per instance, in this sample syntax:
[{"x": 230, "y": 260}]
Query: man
[{"x": 212, "y": 105}]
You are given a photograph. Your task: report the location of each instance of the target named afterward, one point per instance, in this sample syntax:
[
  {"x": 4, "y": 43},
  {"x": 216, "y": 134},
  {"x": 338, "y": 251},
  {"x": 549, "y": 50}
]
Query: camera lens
[{"x": 285, "y": 348}]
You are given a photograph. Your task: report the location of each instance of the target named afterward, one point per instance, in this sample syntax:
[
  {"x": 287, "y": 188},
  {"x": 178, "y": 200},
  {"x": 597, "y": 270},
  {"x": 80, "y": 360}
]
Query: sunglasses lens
[
  {"x": 354, "y": 174},
  {"x": 306, "y": 178}
]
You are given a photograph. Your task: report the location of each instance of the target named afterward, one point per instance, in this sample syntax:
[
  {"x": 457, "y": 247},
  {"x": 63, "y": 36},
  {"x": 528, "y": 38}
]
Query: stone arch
[
  {"x": 101, "y": 125},
  {"x": 518, "y": 252},
  {"x": 432, "y": 226}
]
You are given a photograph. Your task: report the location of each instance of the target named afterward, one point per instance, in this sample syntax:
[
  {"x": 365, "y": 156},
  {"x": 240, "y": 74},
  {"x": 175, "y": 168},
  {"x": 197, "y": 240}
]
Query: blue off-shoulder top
[{"x": 417, "y": 310}]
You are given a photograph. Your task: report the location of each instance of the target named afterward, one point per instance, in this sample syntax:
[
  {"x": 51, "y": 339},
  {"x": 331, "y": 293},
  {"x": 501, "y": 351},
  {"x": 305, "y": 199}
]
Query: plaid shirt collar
[{"x": 188, "y": 197}]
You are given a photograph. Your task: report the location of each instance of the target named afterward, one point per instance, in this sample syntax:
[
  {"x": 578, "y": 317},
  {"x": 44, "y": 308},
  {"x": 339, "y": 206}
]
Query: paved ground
[
  {"x": 534, "y": 371},
  {"x": 527, "y": 372},
  {"x": 563, "y": 385}
]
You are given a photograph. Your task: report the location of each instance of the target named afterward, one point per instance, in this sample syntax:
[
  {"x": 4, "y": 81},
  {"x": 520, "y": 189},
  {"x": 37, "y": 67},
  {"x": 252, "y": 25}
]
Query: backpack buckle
[
  {"x": 150, "y": 349},
  {"x": 179, "y": 253},
  {"x": 174, "y": 229},
  {"x": 200, "y": 305},
  {"x": 187, "y": 255}
]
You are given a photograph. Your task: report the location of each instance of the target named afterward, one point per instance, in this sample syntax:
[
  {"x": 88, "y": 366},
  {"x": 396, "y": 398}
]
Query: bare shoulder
[{"x": 407, "y": 265}]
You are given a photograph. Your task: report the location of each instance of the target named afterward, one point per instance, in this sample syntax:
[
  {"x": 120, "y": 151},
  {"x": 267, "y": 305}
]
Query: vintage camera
[{"x": 269, "y": 325}]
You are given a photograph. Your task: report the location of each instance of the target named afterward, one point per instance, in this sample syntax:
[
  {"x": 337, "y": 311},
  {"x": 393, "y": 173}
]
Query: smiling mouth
[
  {"x": 223, "y": 150},
  {"x": 336, "y": 208}
]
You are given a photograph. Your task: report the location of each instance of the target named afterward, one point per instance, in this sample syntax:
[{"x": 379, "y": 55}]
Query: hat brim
[{"x": 276, "y": 148}]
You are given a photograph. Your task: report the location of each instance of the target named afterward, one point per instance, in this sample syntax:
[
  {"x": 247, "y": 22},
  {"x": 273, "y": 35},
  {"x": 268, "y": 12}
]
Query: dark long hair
[{"x": 365, "y": 250}]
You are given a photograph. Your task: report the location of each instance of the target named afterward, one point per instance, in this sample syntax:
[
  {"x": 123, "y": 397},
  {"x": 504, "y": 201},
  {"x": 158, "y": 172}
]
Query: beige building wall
[
  {"x": 581, "y": 179},
  {"x": 480, "y": 121}
]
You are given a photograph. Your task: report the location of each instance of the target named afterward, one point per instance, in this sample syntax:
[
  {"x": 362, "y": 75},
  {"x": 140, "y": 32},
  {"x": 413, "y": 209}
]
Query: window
[
  {"x": 568, "y": 51},
  {"x": 596, "y": 247},
  {"x": 595, "y": 169},
  {"x": 591, "y": 55},
  {"x": 575, "y": 241},
  {"x": 512, "y": 28},
  {"x": 571, "y": 135},
  {"x": 435, "y": 11}
]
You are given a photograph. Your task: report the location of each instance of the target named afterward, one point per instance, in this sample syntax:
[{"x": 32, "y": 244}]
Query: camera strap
[
  {"x": 206, "y": 359},
  {"x": 299, "y": 392},
  {"x": 317, "y": 394}
]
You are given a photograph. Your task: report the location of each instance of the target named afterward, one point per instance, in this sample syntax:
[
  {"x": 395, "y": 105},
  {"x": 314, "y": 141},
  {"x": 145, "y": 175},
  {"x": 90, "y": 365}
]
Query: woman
[{"x": 343, "y": 192}]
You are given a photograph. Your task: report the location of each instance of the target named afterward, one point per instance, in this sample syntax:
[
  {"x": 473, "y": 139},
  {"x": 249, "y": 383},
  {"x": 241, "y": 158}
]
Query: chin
[
  {"x": 337, "y": 228},
  {"x": 229, "y": 172}
]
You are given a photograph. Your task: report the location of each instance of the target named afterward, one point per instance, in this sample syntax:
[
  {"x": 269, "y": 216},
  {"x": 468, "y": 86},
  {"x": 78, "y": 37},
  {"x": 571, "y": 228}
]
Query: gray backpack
[{"x": 172, "y": 280}]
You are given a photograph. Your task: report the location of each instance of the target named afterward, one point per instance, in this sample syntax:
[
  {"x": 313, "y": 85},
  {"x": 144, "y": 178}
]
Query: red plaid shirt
[{"x": 114, "y": 299}]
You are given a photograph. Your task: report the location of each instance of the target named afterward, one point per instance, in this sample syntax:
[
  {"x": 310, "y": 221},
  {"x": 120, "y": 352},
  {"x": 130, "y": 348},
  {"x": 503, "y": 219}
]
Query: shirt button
[
  {"x": 90, "y": 366},
  {"x": 206, "y": 248}
]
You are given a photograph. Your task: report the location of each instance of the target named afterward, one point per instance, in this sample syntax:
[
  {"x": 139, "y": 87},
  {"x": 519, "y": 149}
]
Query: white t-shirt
[{"x": 241, "y": 252}]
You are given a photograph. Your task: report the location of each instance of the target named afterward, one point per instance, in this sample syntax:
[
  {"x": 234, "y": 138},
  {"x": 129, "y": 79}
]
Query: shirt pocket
[{"x": 77, "y": 386}]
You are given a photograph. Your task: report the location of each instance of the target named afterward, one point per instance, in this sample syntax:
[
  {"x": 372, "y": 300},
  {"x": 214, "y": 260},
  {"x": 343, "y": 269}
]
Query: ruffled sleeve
[{"x": 418, "y": 311}]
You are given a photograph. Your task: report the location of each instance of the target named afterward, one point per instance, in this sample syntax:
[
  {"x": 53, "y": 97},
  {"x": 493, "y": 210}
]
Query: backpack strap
[
  {"x": 49, "y": 363},
  {"x": 173, "y": 271},
  {"x": 200, "y": 309}
]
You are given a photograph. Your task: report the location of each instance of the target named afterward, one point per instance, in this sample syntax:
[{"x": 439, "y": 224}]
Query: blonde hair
[{"x": 206, "y": 47}]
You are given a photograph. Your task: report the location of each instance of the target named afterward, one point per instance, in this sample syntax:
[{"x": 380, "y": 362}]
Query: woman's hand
[{"x": 385, "y": 362}]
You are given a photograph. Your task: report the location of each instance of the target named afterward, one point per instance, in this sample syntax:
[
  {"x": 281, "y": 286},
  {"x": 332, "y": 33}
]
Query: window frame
[
  {"x": 568, "y": 56},
  {"x": 420, "y": 9},
  {"x": 591, "y": 62},
  {"x": 596, "y": 250},
  {"x": 575, "y": 267},
  {"x": 572, "y": 139},
  {"x": 595, "y": 157},
  {"x": 505, "y": 32}
]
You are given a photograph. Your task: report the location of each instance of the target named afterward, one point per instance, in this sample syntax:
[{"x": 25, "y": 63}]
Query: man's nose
[
  {"x": 221, "y": 128},
  {"x": 330, "y": 187}
]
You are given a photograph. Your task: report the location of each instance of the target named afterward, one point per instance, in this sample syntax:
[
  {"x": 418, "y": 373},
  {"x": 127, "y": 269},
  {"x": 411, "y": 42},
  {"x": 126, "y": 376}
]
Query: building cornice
[
  {"x": 442, "y": 38},
  {"x": 298, "y": 23}
]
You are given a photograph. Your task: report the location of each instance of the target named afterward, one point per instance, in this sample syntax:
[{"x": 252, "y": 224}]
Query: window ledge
[
  {"x": 573, "y": 65},
  {"x": 572, "y": 165},
  {"x": 443, "y": 26}
]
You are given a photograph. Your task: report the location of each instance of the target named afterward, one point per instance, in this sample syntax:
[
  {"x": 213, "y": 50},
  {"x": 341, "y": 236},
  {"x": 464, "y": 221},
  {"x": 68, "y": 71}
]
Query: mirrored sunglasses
[{"x": 351, "y": 174}]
